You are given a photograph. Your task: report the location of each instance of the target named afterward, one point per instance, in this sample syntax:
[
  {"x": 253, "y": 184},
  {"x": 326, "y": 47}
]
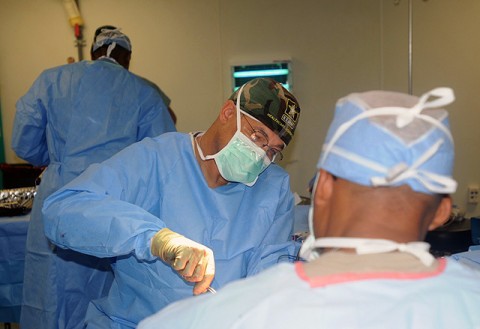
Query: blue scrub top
[{"x": 115, "y": 208}]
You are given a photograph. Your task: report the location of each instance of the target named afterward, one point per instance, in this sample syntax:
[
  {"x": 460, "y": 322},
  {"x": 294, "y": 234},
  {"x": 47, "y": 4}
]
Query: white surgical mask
[
  {"x": 362, "y": 246},
  {"x": 241, "y": 160},
  {"x": 309, "y": 250}
]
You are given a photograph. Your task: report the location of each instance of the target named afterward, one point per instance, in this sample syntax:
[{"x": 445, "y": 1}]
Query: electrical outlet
[{"x": 473, "y": 194}]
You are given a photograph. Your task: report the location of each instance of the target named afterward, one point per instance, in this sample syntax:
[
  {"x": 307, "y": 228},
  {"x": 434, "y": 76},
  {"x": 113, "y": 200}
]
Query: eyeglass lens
[{"x": 261, "y": 139}]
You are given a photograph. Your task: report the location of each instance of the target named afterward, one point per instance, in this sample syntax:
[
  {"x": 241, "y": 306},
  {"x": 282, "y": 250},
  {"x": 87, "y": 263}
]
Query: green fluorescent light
[
  {"x": 259, "y": 73},
  {"x": 285, "y": 85}
]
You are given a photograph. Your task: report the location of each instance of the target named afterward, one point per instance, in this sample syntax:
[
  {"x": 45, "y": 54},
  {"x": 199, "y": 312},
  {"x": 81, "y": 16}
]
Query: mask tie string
[{"x": 419, "y": 249}]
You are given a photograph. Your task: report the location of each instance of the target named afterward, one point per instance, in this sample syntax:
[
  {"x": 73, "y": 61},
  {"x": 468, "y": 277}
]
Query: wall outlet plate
[{"x": 473, "y": 194}]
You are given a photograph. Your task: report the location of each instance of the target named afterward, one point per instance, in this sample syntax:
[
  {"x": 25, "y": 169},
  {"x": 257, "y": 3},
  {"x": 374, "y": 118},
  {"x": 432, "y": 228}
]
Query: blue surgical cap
[
  {"x": 109, "y": 36},
  {"x": 381, "y": 138}
]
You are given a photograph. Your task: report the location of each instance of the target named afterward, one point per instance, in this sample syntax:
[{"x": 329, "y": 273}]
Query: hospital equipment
[
  {"x": 76, "y": 21},
  {"x": 14, "y": 202},
  {"x": 73, "y": 13}
]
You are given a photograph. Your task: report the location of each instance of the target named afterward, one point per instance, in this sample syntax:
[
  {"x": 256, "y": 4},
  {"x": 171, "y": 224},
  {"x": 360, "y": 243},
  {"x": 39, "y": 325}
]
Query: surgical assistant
[
  {"x": 159, "y": 183},
  {"x": 72, "y": 116}
]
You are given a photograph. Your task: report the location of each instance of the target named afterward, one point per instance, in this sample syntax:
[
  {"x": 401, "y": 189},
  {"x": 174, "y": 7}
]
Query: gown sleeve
[
  {"x": 104, "y": 212},
  {"x": 29, "y": 128}
]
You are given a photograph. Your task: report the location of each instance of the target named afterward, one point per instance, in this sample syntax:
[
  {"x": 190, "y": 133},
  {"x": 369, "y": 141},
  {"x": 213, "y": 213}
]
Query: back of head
[
  {"x": 110, "y": 42},
  {"x": 269, "y": 102},
  {"x": 103, "y": 27},
  {"x": 381, "y": 138},
  {"x": 389, "y": 161}
]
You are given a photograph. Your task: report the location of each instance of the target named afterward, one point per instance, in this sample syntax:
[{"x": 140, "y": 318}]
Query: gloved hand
[{"x": 193, "y": 261}]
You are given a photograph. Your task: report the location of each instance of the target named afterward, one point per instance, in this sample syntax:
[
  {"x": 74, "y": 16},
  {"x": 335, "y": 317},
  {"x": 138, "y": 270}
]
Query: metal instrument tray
[{"x": 16, "y": 202}]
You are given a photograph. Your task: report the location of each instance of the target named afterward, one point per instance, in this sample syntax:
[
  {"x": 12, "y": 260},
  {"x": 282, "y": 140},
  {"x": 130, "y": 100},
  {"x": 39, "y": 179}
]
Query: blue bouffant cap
[
  {"x": 108, "y": 35},
  {"x": 381, "y": 138}
]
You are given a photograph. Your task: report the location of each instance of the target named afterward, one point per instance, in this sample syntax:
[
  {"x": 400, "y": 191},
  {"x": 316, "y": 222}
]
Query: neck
[
  {"x": 375, "y": 213},
  {"x": 208, "y": 167},
  {"x": 375, "y": 224}
]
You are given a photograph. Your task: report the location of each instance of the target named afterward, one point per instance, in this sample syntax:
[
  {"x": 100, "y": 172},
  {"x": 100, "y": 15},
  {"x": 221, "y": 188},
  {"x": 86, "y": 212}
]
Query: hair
[
  {"x": 99, "y": 30},
  {"x": 394, "y": 199},
  {"x": 120, "y": 54}
]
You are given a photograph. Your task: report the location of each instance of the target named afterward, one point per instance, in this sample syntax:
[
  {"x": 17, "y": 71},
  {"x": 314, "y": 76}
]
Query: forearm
[{"x": 99, "y": 225}]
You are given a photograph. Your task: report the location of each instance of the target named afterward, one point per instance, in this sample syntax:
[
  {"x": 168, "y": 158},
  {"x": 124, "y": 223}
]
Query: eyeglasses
[{"x": 260, "y": 138}]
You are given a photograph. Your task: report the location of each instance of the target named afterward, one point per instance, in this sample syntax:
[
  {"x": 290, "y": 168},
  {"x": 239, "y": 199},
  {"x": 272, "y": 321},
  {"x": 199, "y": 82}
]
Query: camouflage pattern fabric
[{"x": 269, "y": 102}]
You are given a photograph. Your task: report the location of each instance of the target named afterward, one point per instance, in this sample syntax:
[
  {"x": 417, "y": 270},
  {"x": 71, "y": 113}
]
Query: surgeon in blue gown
[
  {"x": 75, "y": 115},
  {"x": 185, "y": 212}
]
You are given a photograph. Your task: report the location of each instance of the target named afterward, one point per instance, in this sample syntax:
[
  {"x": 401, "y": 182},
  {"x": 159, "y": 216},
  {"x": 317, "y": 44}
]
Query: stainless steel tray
[{"x": 18, "y": 201}]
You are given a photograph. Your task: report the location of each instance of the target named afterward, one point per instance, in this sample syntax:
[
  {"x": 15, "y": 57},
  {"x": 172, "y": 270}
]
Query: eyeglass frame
[{"x": 254, "y": 138}]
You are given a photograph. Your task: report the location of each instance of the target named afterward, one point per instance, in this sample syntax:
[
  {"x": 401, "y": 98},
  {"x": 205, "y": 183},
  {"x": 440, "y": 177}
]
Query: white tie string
[
  {"x": 418, "y": 249},
  {"x": 445, "y": 97}
]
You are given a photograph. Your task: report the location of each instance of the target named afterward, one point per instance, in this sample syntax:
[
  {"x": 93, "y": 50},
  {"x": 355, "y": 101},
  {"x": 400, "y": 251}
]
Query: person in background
[
  {"x": 182, "y": 212},
  {"x": 125, "y": 62},
  {"x": 383, "y": 180},
  {"x": 72, "y": 116}
]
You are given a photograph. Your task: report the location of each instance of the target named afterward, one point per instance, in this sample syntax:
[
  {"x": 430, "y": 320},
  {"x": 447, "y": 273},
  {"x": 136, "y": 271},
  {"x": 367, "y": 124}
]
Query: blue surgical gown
[
  {"x": 75, "y": 115},
  {"x": 283, "y": 297},
  {"x": 114, "y": 209}
]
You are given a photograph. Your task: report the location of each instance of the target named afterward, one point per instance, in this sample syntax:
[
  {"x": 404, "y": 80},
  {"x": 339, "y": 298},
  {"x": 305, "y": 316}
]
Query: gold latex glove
[{"x": 193, "y": 261}]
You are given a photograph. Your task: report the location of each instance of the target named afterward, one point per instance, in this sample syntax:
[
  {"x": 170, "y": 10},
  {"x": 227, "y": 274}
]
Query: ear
[
  {"x": 228, "y": 110},
  {"x": 127, "y": 60},
  {"x": 323, "y": 191},
  {"x": 442, "y": 213},
  {"x": 321, "y": 202}
]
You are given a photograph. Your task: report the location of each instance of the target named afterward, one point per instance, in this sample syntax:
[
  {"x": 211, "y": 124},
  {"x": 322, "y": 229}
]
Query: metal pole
[
  {"x": 410, "y": 29},
  {"x": 79, "y": 42}
]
